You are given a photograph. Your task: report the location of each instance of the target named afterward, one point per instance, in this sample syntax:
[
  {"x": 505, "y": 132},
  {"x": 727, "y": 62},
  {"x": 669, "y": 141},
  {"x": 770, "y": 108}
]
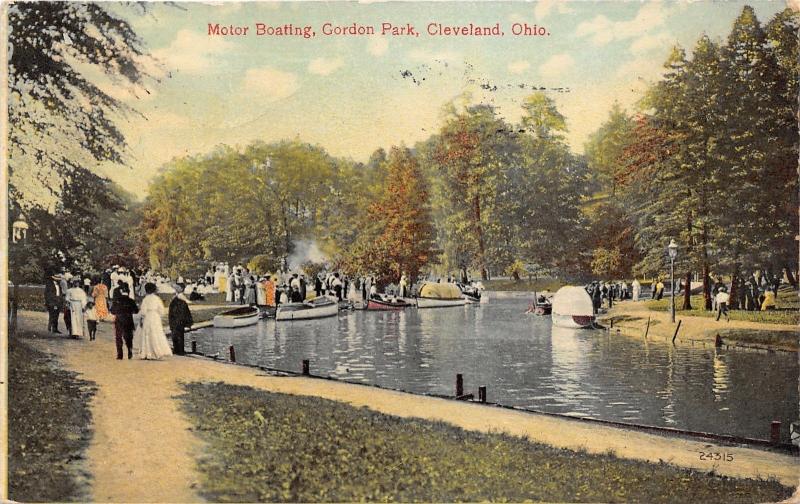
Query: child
[{"x": 91, "y": 320}]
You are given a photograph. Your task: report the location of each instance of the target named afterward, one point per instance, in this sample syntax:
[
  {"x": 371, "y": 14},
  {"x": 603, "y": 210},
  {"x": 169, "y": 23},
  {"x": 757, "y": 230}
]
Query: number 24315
[{"x": 722, "y": 457}]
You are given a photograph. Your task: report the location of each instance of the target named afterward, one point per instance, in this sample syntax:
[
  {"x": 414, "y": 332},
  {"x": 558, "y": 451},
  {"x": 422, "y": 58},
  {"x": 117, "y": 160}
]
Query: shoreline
[
  {"x": 143, "y": 390},
  {"x": 630, "y": 319}
]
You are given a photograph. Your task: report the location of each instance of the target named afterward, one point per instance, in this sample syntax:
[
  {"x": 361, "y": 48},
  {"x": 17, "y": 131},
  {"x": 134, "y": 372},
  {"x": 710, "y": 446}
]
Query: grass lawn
[
  {"x": 537, "y": 285},
  {"x": 49, "y": 428},
  {"x": 787, "y": 312},
  {"x": 264, "y": 446}
]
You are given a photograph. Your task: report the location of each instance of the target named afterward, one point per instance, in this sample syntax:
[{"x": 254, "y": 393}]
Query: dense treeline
[
  {"x": 481, "y": 195},
  {"x": 712, "y": 159},
  {"x": 709, "y": 160}
]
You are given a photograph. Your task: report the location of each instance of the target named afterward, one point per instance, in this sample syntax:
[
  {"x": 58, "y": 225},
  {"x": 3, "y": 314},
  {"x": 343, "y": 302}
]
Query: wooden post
[
  {"x": 306, "y": 368},
  {"x": 676, "y": 331},
  {"x": 647, "y": 329},
  {"x": 459, "y": 385},
  {"x": 482, "y": 394},
  {"x": 717, "y": 341},
  {"x": 775, "y": 432},
  {"x": 233, "y": 353},
  {"x": 612, "y": 322},
  {"x": 194, "y": 346}
]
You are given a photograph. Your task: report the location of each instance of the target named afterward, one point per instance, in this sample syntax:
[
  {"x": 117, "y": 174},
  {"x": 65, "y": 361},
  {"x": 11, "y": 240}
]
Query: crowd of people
[
  {"x": 84, "y": 300},
  {"x": 755, "y": 292}
]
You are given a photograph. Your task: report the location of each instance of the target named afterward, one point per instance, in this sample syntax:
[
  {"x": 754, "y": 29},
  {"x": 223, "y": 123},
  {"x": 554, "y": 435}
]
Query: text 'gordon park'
[{"x": 386, "y": 29}]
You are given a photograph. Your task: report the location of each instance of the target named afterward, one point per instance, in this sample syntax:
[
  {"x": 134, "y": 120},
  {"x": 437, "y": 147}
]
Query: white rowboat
[
  {"x": 315, "y": 308},
  {"x": 239, "y": 317}
]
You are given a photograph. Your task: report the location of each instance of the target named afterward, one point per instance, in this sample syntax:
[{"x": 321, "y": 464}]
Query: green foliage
[
  {"x": 312, "y": 269},
  {"x": 262, "y": 264},
  {"x": 516, "y": 270},
  {"x": 267, "y": 447},
  {"x": 787, "y": 312},
  {"x": 49, "y": 428}
]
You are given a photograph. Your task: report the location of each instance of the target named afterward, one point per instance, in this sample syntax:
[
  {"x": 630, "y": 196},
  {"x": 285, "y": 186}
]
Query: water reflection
[{"x": 523, "y": 361}]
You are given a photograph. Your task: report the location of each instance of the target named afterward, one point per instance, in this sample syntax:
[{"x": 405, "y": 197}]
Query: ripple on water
[{"x": 524, "y": 362}]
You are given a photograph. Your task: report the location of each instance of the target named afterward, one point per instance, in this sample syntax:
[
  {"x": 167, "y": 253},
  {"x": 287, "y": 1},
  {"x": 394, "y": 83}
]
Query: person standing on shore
[
  {"x": 722, "y": 299},
  {"x": 123, "y": 309},
  {"x": 180, "y": 319},
  {"x": 91, "y": 320},
  {"x": 637, "y": 289},
  {"x": 53, "y": 302},
  {"x": 76, "y": 301},
  {"x": 154, "y": 343},
  {"x": 100, "y": 295}
]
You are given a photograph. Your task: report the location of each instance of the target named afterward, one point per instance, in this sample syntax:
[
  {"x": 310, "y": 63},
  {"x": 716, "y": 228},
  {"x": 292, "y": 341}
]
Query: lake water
[{"x": 524, "y": 361}]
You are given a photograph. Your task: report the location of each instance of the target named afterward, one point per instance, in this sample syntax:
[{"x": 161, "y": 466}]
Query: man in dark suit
[
  {"x": 123, "y": 309},
  {"x": 180, "y": 319},
  {"x": 53, "y": 301}
]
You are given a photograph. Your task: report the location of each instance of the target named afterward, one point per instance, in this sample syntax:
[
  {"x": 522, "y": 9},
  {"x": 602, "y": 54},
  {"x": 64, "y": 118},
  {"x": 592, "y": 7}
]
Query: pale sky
[{"x": 349, "y": 94}]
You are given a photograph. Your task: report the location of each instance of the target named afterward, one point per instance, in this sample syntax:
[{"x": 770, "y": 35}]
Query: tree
[
  {"x": 63, "y": 123},
  {"x": 605, "y": 147},
  {"x": 400, "y": 236}
]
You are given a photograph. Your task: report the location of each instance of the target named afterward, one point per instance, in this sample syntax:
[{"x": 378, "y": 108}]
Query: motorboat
[
  {"x": 383, "y": 303},
  {"x": 542, "y": 304},
  {"x": 572, "y": 308},
  {"x": 238, "y": 317},
  {"x": 439, "y": 295},
  {"x": 472, "y": 295},
  {"x": 315, "y": 308}
]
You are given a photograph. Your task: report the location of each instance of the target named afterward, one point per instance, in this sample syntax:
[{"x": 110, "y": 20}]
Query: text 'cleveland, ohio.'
[{"x": 387, "y": 29}]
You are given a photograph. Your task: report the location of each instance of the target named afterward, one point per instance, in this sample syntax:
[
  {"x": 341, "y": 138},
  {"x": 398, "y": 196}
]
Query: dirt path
[{"x": 142, "y": 450}]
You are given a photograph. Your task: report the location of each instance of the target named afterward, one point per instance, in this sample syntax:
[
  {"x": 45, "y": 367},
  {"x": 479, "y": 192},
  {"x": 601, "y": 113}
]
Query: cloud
[
  {"x": 517, "y": 67},
  {"x": 192, "y": 52},
  {"x": 601, "y": 30},
  {"x": 647, "y": 43},
  {"x": 557, "y": 65},
  {"x": 324, "y": 66},
  {"x": 269, "y": 83},
  {"x": 377, "y": 46},
  {"x": 545, "y": 7}
]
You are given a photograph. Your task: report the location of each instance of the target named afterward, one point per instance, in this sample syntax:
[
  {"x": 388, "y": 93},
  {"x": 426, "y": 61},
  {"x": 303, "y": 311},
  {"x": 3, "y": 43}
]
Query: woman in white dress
[
  {"x": 76, "y": 298},
  {"x": 153, "y": 343}
]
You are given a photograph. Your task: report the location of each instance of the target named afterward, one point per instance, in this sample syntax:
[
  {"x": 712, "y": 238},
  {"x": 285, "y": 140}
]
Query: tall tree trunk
[
  {"x": 687, "y": 292},
  {"x": 733, "y": 302},
  {"x": 706, "y": 287},
  {"x": 476, "y": 208},
  {"x": 790, "y": 277}
]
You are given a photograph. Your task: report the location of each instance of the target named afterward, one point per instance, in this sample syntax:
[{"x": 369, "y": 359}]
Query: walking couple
[{"x": 149, "y": 331}]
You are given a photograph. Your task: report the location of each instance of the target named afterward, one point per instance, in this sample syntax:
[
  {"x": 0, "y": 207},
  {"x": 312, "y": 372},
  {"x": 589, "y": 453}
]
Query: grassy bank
[
  {"x": 537, "y": 285},
  {"x": 786, "y": 340},
  {"x": 49, "y": 428},
  {"x": 274, "y": 447},
  {"x": 787, "y": 312}
]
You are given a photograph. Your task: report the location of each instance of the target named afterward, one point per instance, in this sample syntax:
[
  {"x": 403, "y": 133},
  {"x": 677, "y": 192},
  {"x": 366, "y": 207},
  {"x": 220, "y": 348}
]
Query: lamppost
[
  {"x": 19, "y": 235},
  {"x": 672, "y": 248}
]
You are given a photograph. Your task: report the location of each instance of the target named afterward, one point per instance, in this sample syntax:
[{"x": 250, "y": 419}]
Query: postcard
[{"x": 400, "y": 251}]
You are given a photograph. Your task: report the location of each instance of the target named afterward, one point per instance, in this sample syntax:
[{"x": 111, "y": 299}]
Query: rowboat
[
  {"x": 573, "y": 308},
  {"x": 386, "y": 304},
  {"x": 315, "y": 308},
  {"x": 439, "y": 295},
  {"x": 238, "y": 317}
]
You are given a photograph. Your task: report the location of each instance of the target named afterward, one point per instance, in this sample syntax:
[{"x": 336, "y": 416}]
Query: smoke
[{"x": 305, "y": 250}]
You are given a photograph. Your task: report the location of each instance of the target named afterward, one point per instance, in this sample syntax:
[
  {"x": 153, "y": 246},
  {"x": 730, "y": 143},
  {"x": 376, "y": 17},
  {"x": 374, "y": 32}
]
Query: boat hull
[
  {"x": 439, "y": 303},
  {"x": 228, "y": 321},
  {"x": 572, "y": 321},
  {"x": 303, "y": 311},
  {"x": 375, "y": 304}
]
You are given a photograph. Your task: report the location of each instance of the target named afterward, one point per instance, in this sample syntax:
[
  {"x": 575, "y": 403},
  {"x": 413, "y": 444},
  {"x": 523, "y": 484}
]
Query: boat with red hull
[{"x": 385, "y": 304}]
